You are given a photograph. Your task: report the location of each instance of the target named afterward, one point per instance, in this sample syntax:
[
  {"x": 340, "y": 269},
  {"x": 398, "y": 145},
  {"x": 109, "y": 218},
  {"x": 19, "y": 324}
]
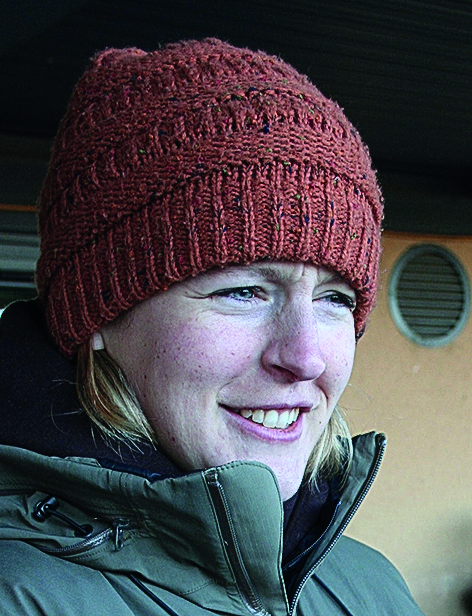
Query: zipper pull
[
  {"x": 211, "y": 476},
  {"x": 119, "y": 526}
]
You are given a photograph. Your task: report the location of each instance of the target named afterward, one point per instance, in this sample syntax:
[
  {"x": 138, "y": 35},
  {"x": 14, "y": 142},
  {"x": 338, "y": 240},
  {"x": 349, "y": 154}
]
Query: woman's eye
[
  {"x": 341, "y": 299},
  {"x": 241, "y": 294}
]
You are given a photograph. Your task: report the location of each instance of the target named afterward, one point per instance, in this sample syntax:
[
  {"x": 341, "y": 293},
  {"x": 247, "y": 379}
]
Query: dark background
[{"x": 401, "y": 69}]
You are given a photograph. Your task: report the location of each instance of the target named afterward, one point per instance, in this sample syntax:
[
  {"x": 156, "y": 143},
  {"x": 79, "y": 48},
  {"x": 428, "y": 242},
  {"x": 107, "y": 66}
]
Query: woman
[{"x": 210, "y": 229}]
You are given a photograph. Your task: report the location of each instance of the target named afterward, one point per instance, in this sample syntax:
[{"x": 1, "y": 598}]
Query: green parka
[{"x": 78, "y": 539}]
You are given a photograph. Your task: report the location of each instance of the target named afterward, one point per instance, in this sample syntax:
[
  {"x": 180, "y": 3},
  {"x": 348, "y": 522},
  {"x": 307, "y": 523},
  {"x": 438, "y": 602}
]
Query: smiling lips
[{"x": 271, "y": 418}]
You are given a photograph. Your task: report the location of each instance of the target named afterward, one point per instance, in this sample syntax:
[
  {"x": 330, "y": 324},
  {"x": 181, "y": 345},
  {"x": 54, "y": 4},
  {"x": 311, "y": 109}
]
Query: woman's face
[{"x": 242, "y": 363}]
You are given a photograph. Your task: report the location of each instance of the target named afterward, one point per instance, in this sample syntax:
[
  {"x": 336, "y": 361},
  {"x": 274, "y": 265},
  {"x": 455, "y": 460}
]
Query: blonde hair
[
  {"x": 108, "y": 399},
  {"x": 113, "y": 407}
]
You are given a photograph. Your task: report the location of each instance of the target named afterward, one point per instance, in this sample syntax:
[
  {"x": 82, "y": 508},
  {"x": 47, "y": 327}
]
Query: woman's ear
[{"x": 97, "y": 342}]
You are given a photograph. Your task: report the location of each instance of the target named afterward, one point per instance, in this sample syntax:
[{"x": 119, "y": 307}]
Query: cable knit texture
[{"x": 197, "y": 155}]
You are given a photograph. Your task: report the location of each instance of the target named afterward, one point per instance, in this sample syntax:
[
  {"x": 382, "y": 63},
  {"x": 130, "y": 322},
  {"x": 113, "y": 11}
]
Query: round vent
[{"x": 429, "y": 295}]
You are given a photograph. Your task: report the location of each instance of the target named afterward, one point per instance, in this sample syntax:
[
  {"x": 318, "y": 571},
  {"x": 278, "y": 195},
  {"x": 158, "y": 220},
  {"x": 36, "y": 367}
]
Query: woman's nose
[{"x": 293, "y": 350}]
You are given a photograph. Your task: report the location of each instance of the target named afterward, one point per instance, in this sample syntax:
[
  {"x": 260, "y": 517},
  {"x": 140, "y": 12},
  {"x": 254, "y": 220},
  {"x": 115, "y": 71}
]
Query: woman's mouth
[{"x": 271, "y": 418}]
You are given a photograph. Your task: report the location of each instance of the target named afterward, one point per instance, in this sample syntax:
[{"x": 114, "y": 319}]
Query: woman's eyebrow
[
  {"x": 275, "y": 274},
  {"x": 270, "y": 273},
  {"x": 265, "y": 271}
]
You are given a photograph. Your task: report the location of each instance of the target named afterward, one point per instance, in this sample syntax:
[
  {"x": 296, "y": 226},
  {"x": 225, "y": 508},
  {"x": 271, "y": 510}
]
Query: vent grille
[{"x": 429, "y": 295}]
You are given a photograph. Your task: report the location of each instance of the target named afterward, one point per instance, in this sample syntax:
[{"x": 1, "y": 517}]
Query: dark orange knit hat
[{"x": 194, "y": 156}]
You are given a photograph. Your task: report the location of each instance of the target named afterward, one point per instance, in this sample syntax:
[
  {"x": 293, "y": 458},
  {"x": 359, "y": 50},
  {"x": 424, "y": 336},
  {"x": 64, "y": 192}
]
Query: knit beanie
[{"x": 196, "y": 156}]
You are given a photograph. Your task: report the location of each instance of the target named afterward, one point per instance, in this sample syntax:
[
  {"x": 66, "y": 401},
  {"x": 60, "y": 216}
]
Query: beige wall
[{"x": 419, "y": 512}]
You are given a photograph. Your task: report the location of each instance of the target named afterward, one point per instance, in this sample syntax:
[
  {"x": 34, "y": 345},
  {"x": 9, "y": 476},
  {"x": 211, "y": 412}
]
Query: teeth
[
  {"x": 272, "y": 418},
  {"x": 258, "y": 416},
  {"x": 283, "y": 419}
]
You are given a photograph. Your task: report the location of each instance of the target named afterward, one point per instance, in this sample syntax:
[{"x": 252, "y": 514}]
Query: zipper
[
  {"x": 310, "y": 548},
  {"x": 233, "y": 551},
  {"x": 48, "y": 507},
  {"x": 82, "y": 546},
  {"x": 113, "y": 533},
  {"x": 382, "y": 443}
]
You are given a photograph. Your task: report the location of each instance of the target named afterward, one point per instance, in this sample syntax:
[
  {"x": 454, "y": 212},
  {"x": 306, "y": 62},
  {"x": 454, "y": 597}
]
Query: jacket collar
[{"x": 171, "y": 531}]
